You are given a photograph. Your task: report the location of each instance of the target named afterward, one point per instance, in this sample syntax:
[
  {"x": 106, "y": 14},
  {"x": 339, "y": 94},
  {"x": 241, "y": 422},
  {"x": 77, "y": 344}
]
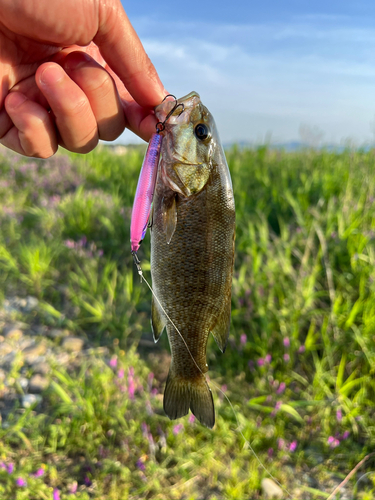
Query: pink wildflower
[
  {"x": 333, "y": 442},
  {"x": 191, "y": 419},
  {"x": 38, "y": 473},
  {"x": 56, "y": 494},
  {"x": 113, "y": 362},
  {"x": 268, "y": 358},
  {"x": 281, "y": 388},
  {"x": 293, "y": 446},
  {"x": 286, "y": 357},
  {"x": 286, "y": 342},
  {"x": 243, "y": 339},
  {"x": 21, "y": 482},
  {"x": 177, "y": 429}
]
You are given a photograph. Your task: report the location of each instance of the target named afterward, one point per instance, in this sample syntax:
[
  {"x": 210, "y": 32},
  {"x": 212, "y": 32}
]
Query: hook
[{"x": 160, "y": 126}]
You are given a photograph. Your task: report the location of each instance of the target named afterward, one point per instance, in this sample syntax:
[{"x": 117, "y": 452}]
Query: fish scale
[{"x": 192, "y": 252}]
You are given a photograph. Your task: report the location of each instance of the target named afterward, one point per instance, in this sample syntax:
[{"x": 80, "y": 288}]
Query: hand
[{"x": 72, "y": 72}]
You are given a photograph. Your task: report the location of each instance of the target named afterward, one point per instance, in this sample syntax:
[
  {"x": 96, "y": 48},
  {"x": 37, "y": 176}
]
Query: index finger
[{"x": 124, "y": 52}]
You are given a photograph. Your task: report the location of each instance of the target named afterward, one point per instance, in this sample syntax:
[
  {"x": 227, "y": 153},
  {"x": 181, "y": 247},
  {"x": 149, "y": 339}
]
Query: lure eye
[{"x": 201, "y": 131}]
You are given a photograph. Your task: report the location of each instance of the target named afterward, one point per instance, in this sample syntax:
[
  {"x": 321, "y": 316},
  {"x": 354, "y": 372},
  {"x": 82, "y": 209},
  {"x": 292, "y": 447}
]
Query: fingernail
[
  {"x": 15, "y": 99},
  {"x": 52, "y": 75}
]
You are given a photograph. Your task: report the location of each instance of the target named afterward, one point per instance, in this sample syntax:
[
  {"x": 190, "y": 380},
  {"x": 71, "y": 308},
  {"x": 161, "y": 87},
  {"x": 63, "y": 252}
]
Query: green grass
[{"x": 300, "y": 363}]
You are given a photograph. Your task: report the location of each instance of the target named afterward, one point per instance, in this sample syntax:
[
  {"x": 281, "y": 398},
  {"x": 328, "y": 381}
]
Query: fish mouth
[{"x": 189, "y": 102}]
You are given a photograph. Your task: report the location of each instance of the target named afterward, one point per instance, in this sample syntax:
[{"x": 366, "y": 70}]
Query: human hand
[{"x": 56, "y": 88}]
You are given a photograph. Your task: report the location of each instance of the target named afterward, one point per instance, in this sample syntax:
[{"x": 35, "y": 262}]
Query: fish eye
[{"x": 201, "y": 131}]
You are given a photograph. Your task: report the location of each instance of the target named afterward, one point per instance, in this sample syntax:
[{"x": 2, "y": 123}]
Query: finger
[
  {"x": 33, "y": 132},
  {"x": 5, "y": 123},
  {"x": 75, "y": 120},
  {"x": 124, "y": 52},
  {"x": 28, "y": 87},
  {"x": 100, "y": 90}
]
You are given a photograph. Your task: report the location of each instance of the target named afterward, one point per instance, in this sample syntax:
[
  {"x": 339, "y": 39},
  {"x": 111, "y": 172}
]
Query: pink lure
[{"x": 145, "y": 192}]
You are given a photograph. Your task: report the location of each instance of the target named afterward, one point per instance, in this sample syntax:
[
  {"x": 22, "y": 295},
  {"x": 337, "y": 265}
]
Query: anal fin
[{"x": 158, "y": 323}]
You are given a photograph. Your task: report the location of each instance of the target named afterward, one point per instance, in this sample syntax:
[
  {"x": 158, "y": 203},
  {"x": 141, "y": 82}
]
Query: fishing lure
[{"x": 146, "y": 184}]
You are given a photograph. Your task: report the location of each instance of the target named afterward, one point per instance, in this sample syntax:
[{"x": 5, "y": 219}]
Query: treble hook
[{"x": 160, "y": 126}]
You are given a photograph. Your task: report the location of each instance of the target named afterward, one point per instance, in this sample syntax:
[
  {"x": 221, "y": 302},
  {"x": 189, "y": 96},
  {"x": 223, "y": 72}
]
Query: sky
[{"x": 271, "y": 71}]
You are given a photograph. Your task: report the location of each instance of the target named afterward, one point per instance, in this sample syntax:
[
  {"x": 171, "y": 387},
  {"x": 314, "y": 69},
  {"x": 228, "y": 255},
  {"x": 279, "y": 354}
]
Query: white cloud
[{"x": 260, "y": 79}]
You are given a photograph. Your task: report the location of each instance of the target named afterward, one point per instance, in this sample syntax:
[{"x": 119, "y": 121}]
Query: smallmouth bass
[{"x": 192, "y": 252}]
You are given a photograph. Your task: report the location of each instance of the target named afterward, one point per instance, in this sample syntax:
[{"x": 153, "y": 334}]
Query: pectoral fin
[
  {"x": 157, "y": 321},
  {"x": 169, "y": 217},
  {"x": 221, "y": 329}
]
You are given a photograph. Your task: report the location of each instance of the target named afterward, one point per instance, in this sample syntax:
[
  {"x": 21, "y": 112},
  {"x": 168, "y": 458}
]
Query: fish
[{"x": 192, "y": 252}]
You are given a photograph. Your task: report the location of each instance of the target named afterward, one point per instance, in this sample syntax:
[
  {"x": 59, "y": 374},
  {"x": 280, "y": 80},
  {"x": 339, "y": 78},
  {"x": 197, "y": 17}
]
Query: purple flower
[
  {"x": 87, "y": 481},
  {"x": 281, "y": 388},
  {"x": 270, "y": 452},
  {"x": 339, "y": 415},
  {"x": 286, "y": 342},
  {"x": 56, "y": 494},
  {"x": 286, "y": 357},
  {"x": 333, "y": 442},
  {"x": 10, "y": 468},
  {"x": 21, "y": 482},
  {"x": 268, "y": 358},
  {"x": 141, "y": 466},
  {"x": 3, "y": 466},
  {"x": 191, "y": 419},
  {"x": 301, "y": 349},
  {"x": 83, "y": 241},
  {"x": 121, "y": 373},
  {"x": 293, "y": 446},
  {"x": 224, "y": 387},
  {"x": 113, "y": 362},
  {"x": 69, "y": 243},
  {"x": 38, "y": 473},
  {"x": 345, "y": 435},
  {"x": 260, "y": 362},
  {"x": 177, "y": 429},
  {"x": 131, "y": 387},
  {"x": 243, "y": 339}
]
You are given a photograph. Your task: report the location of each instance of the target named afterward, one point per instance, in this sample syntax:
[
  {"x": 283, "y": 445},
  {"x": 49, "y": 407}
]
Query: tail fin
[{"x": 180, "y": 394}]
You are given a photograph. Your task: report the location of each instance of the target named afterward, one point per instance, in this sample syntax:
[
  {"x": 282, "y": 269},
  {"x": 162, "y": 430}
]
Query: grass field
[{"x": 300, "y": 364}]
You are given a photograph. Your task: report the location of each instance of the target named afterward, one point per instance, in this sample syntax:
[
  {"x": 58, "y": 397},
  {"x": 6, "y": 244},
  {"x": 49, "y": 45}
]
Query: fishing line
[{"x": 140, "y": 272}]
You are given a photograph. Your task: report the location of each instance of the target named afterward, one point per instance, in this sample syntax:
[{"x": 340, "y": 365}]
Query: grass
[{"x": 300, "y": 363}]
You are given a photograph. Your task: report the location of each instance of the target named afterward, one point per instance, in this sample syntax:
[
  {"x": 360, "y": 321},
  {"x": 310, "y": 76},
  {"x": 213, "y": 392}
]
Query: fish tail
[
  {"x": 181, "y": 394},
  {"x": 201, "y": 402}
]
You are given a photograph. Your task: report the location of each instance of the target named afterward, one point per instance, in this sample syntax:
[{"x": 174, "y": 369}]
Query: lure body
[{"x": 145, "y": 192}]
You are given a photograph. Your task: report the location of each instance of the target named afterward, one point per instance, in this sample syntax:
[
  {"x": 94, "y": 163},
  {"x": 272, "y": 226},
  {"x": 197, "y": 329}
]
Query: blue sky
[{"x": 270, "y": 70}]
